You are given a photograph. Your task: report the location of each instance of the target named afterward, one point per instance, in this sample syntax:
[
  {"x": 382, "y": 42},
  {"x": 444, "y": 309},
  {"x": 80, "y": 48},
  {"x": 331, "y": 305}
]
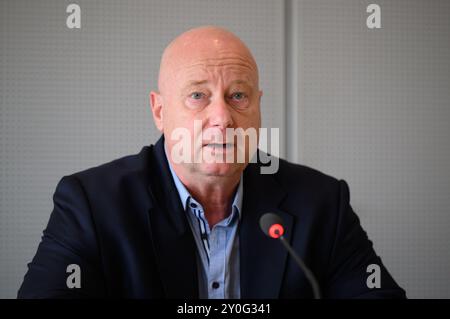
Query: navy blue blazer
[{"x": 124, "y": 225}]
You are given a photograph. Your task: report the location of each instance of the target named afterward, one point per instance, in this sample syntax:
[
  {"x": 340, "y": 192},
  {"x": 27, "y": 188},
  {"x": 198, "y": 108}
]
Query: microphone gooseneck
[{"x": 272, "y": 225}]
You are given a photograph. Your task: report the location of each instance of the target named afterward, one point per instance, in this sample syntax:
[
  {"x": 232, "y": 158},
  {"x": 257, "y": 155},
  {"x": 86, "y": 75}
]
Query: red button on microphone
[{"x": 276, "y": 231}]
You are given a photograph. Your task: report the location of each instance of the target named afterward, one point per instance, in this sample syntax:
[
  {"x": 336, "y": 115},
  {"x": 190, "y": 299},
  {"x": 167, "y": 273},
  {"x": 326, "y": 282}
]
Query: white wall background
[{"x": 369, "y": 106}]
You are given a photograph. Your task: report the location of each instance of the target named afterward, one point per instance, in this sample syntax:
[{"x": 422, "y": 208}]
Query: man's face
[{"x": 218, "y": 88}]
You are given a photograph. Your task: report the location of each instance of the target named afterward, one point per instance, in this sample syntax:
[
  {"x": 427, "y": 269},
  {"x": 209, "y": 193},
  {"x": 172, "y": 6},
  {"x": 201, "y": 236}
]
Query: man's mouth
[{"x": 219, "y": 145}]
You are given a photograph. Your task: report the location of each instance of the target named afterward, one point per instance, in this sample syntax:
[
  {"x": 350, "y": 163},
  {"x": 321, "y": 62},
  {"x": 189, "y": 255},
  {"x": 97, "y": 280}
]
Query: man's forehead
[{"x": 207, "y": 54}]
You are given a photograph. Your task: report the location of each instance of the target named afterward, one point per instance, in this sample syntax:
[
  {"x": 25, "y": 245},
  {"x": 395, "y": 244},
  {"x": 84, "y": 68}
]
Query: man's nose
[{"x": 220, "y": 113}]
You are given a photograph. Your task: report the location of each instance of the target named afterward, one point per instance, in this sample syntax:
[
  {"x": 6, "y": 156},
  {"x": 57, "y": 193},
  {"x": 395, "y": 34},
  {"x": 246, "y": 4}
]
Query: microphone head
[{"x": 271, "y": 225}]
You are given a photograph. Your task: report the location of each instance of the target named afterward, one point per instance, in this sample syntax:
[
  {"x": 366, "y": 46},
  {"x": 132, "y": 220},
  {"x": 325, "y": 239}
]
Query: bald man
[{"x": 181, "y": 220}]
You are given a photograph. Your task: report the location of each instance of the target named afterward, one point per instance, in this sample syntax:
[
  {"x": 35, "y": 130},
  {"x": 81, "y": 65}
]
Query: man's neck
[{"x": 214, "y": 193}]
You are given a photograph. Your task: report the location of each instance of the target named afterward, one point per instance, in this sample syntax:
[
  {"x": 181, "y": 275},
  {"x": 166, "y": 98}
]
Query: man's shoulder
[
  {"x": 293, "y": 173},
  {"x": 293, "y": 177},
  {"x": 118, "y": 169},
  {"x": 289, "y": 171}
]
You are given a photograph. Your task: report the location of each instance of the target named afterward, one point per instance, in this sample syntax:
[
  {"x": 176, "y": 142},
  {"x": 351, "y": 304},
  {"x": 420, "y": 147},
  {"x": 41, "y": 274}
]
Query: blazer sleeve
[
  {"x": 352, "y": 253},
  {"x": 68, "y": 239}
]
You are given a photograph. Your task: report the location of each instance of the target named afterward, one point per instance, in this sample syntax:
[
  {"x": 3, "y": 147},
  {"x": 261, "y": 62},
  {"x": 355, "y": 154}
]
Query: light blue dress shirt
[{"x": 218, "y": 248}]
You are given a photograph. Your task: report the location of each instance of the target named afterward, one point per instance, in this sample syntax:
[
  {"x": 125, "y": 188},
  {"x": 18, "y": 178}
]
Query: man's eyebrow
[
  {"x": 194, "y": 83},
  {"x": 240, "y": 82}
]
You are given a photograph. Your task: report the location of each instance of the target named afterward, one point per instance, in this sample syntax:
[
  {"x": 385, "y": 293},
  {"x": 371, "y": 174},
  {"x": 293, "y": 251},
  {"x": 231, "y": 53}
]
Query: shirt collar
[{"x": 185, "y": 195}]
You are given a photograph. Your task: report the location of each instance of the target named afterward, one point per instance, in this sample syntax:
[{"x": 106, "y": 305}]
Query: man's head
[{"x": 207, "y": 75}]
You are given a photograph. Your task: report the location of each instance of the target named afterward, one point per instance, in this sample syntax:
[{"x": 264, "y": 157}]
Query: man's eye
[
  {"x": 238, "y": 96},
  {"x": 197, "y": 95}
]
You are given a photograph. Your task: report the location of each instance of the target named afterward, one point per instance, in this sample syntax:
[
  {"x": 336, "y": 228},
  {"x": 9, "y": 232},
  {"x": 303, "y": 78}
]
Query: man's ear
[{"x": 156, "y": 103}]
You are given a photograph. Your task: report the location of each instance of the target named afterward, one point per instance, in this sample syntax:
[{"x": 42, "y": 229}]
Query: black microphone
[{"x": 272, "y": 225}]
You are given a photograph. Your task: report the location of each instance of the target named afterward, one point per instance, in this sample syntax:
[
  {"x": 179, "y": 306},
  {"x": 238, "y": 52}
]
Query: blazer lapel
[
  {"x": 262, "y": 258},
  {"x": 172, "y": 239}
]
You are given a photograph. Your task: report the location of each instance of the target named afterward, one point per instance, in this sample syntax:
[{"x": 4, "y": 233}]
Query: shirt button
[
  {"x": 215, "y": 285},
  {"x": 193, "y": 205}
]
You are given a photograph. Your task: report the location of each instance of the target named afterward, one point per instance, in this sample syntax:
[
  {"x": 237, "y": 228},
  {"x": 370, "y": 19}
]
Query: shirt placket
[{"x": 217, "y": 264}]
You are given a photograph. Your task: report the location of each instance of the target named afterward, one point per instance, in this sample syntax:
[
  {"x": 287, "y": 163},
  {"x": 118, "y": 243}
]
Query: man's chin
[{"x": 221, "y": 169}]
